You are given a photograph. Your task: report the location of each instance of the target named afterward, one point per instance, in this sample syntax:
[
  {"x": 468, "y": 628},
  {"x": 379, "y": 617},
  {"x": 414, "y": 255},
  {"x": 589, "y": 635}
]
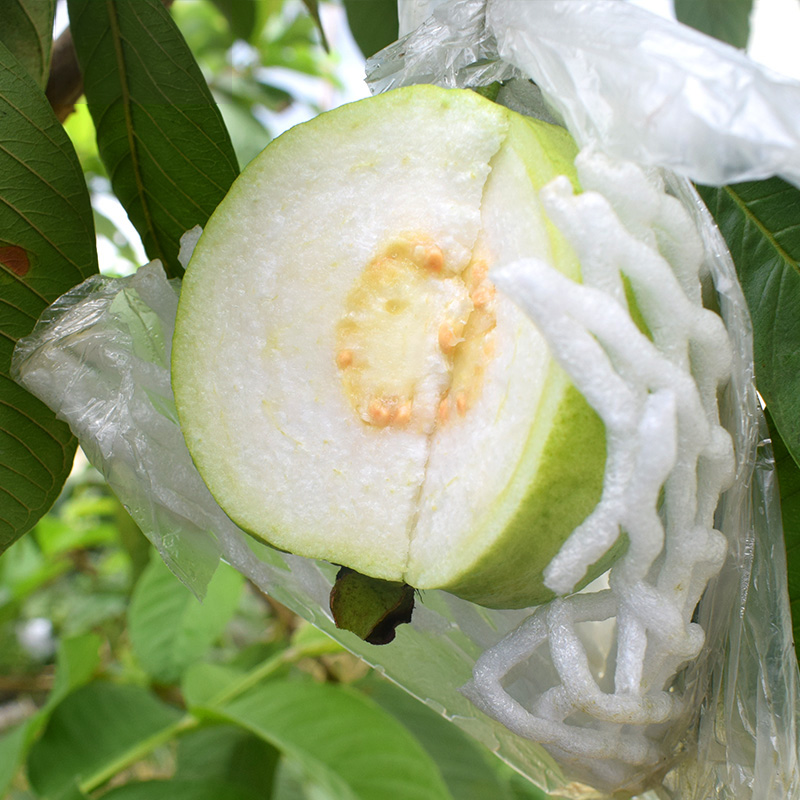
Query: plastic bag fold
[{"x": 647, "y": 88}]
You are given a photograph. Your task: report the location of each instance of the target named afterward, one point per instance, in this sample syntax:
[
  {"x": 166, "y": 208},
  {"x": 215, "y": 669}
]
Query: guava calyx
[{"x": 368, "y": 607}]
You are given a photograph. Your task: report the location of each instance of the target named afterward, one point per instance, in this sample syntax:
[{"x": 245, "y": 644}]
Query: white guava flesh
[{"x": 349, "y": 383}]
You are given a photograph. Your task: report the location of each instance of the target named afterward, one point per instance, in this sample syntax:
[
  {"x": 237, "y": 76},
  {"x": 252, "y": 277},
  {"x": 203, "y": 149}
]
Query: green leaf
[
  {"x": 204, "y": 681},
  {"x": 461, "y": 761},
  {"x": 373, "y": 23},
  {"x": 27, "y": 31},
  {"x": 159, "y": 133},
  {"x": 76, "y": 661},
  {"x": 340, "y": 737},
  {"x": 47, "y": 246},
  {"x": 242, "y": 16},
  {"x": 312, "y": 6},
  {"x": 169, "y": 628},
  {"x": 183, "y": 790},
  {"x": 761, "y": 224},
  {"x": 789, "y": 485},
  {"x": 230, "y": 754},
  {"x": 13, "y": 746},
  {"x": 727, "y": 20},
  {"x": 93, "y": 728},
  {"x": 78, "y": 658}
]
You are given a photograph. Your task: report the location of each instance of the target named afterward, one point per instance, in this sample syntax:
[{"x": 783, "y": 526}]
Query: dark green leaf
[
  {"x": 76, "y": 662},
  {"x": 789, "y": 485},
  {"x": 27, "y": 31},
  {"x": 461, "y": 761},
  {"x": 93, "y": 728},
  {"x": 373, "y": 23},
  {"x": 340, "y": 737},
  {"x": 212, "y": 789},
  {"x": 169, "y": 628},
  {"x": 761, "y": 224},
  {"x": 313, "y": 9},
  {"x": 727, "y": 20},
  {"x": 160, "y": 135},
  {"x": 47, "y": 246},
  {"x": 228, "y": 753},
  {"x": 242, "y": 16}
]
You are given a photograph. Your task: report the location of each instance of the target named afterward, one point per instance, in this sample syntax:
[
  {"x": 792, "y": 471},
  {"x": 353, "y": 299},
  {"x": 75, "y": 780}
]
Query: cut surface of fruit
[{"x": 350, "y": 384}]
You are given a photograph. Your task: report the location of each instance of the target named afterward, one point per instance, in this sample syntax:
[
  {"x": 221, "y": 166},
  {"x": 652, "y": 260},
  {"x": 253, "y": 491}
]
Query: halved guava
[{"x": 349, "y": 383}]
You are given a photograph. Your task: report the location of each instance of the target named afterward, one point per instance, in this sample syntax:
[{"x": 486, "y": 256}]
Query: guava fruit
[{"x": 349, "y": 383}]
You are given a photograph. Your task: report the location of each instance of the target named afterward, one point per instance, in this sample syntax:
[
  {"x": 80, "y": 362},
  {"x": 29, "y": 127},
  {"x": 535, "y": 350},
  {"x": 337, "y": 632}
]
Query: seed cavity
[{"x": 415, "y": 337}]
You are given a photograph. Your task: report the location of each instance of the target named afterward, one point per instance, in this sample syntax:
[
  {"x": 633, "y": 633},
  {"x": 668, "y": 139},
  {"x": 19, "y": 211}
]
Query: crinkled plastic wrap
[
  {"x": 100, "y": 358},
  {"x": 644, "y": 87}
]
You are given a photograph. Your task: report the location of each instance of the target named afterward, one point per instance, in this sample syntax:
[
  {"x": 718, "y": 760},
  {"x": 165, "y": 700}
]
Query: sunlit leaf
[
  {"x": 46, "y": 246},
  {"x": 91, "y": 729},
  {"x": 727, "y": 20},
  {"x": 159, "y": 132},
  {"x": 169, "y": 628},
  {"x": 461, "y": 761},
  {"x": 340, "y": 736},
  {"x": 27, "y": 31}
]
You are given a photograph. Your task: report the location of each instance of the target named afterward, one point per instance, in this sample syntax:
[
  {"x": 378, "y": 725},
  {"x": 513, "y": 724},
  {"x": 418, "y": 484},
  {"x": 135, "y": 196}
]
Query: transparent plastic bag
[
  {"x": 642, "y": 87},
  {"x": 100, "y": 357}
]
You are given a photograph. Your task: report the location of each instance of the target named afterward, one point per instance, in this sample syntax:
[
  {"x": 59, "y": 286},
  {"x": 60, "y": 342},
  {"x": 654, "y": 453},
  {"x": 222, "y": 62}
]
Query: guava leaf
[
  {"x": 760, "y": 221},
  {"x": 77, "y": 659},
  {"x": 373, "y": 23},
  {"x": 241, "y": 15},
  {"x": 228, "y": 753},
  {"x": 463, "y": 763},
  {"x": 27, "y": 31},
  {"x": 312, "y": 6},
  {"x": 159, "y": 132},
  {"x": 194, "y": 789},
  {"x": 169, "y": 628},
  {"x": 339, "y": 735},
  {"x": 93, "y": 728},
  {"x": 727, "y": 20},
  {"x": 789, "y": 485},
  {"x": 47, "y": 245}
]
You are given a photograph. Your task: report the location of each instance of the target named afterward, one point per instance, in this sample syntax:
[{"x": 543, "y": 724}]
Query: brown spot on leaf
[{"x": 15, "y": 259}]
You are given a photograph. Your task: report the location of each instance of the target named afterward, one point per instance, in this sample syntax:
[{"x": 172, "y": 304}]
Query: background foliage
[{"x": 113, "y": 680}]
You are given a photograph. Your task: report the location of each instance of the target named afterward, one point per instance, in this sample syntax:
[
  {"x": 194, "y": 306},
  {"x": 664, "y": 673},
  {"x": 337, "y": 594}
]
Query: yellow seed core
[{"x": 415, "y": 338}]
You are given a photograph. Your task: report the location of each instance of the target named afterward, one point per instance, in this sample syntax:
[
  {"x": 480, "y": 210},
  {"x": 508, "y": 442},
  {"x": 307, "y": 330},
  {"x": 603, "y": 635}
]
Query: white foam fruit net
[{"x": 655, "y": 386}]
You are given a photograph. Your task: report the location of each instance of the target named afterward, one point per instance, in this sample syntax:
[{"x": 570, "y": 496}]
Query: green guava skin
[{"x": 558, "y": 476}]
